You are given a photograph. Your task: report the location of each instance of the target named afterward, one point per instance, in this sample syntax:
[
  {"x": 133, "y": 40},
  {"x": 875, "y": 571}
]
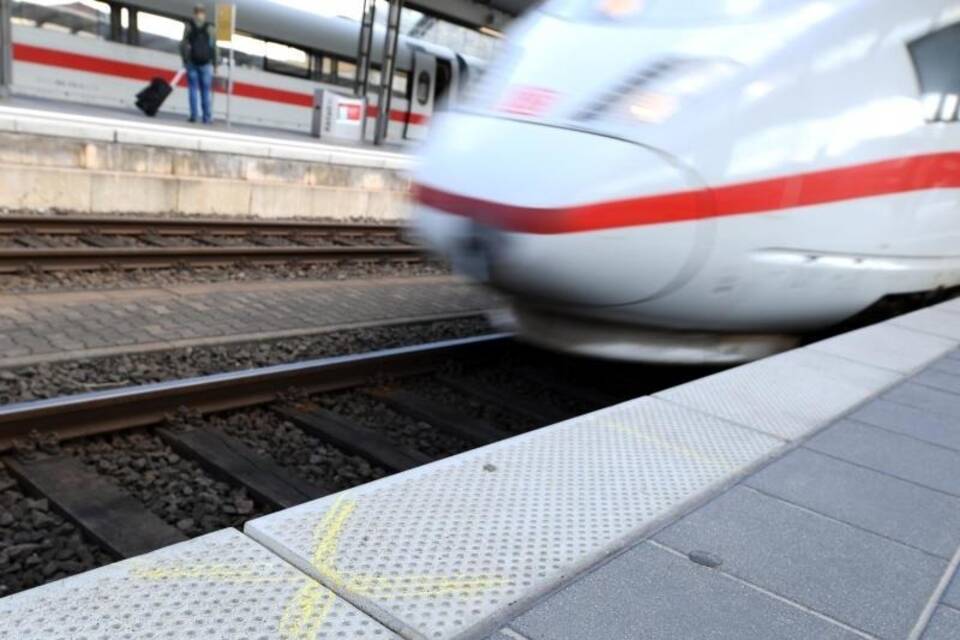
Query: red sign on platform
[{"x": 349, "y": 112}]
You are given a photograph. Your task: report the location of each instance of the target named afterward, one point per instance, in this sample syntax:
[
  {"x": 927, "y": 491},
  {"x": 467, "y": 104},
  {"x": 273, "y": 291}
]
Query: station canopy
[{"x": 476, "y": 14}]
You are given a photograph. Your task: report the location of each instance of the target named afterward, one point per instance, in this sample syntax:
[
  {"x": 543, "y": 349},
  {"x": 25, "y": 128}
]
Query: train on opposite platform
[
  {"x": 704, "y": 181},
  {"x": 104, "y": 52}
]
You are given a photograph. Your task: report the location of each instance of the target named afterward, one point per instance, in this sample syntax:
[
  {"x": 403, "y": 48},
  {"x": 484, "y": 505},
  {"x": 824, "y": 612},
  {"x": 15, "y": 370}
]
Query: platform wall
[{"x": 99, "y": 174}]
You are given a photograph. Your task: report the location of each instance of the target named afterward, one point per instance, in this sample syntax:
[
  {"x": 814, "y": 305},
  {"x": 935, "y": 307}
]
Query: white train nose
[{"x": 566, "y": 216}]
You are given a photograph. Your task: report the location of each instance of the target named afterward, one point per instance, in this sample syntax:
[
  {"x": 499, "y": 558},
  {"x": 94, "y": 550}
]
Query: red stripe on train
[
  {"x": 901, "y": 175},
  {"x": 398, "y": 116},
  {"x": 132, "y": 71}
]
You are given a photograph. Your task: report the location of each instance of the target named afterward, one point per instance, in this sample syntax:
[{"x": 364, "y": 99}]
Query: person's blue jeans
[{"x": 200, "y": 80}]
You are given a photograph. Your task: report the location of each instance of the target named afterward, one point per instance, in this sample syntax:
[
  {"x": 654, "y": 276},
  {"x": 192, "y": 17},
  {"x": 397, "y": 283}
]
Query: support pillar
[
  {"x": 386, "y": 72},
  {"x": 6, "y": 48},
  {"x": 364, "y": 47}
]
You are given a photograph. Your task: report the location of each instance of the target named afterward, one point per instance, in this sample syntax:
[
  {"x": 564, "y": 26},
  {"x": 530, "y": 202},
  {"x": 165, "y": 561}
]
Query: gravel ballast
[
  {"x": 36, "y": 544},
  {"x": 63, "y": 378},
  {"x": 273, "y": 436},
  {"x": 174, "y": 488},
  {"x": 106, "y": 279},
  {"x": 400, "y": 429},
  {"x": 431, "y": 388}
]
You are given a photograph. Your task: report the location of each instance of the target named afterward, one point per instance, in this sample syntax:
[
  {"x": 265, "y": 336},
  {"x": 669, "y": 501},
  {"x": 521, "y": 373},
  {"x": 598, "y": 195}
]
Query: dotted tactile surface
[
  {"x": 445, "y": 550},
  {"x": 887, "y": 346},
  {"x": 939, "y": 321},
  {"x": 222, "y": 586},
  {"x": 787, "y": 395}
]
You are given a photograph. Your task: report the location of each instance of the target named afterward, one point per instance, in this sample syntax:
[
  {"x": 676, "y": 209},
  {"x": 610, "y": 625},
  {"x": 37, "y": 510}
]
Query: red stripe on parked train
[
  {"x": 132, "y": 71},
  {"x": 901, "y": 175}
]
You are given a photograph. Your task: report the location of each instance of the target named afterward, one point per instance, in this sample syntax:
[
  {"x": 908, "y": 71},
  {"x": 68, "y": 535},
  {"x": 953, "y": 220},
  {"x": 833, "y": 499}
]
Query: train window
[
  {"x": 328, "y": 67},
  {"x": 401, "y": 82},
  {"x": 935, "y": 58},
  {"x": 159, "y": 32},
  {"x": 81, "y": 17},
  {"x": 248, "y": 51},
  {"x": 289, "y": 60},
  {"x": 423, "y": 87},
  {"x": 346, "y": 72}
]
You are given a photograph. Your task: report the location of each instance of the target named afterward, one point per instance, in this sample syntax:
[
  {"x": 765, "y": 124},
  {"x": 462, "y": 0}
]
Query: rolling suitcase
[{"x": 152, "y": 98}]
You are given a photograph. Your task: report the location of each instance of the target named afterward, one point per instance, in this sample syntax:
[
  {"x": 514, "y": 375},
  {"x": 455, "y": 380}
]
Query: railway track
[
  {"x": 265, "y": 439},
  {"x": 118, "y": 409},
  {"x": 31, "y": 243}
]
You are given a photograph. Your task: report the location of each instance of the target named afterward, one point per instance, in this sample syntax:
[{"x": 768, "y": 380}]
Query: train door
[
  {"x": 444, "y": 93},
  {"x": 422, "y": 95}
]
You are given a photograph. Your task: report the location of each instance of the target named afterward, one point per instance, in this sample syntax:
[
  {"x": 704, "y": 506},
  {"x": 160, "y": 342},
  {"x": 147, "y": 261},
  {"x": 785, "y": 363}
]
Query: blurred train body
[
  {"x": 95, "y": 53},
  {"x": 702, "y": 182}
]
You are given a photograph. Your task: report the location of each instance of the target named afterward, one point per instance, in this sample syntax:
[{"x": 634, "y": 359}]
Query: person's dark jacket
[{"x": 186, "y": 47}]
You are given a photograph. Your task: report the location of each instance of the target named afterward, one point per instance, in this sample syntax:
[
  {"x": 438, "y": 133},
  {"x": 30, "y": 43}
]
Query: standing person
[{"x": 199, "y": 52}]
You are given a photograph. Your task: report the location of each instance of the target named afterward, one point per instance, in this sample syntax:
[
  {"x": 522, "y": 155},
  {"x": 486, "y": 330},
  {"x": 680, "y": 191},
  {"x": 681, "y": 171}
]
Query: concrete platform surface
[
  {"x": 220, "y": 586},
  {"x": 68, "y": 119},
  {"x": 47, "y": 327}
]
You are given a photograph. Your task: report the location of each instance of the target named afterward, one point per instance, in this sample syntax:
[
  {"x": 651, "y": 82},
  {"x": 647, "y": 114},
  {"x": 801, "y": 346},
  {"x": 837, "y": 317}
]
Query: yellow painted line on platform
[{"x": 637, "y": 432}]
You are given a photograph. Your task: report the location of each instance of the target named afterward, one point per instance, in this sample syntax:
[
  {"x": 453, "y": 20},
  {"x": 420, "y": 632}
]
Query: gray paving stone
[
  {"x": 952, "y": 596},
  {"x": 945, "y": 625},
  {"x": 926, "y": 425},
  {"x": 868, "y": 582},
  {"x": 939, "y": 379},
  {"x": 653, "y": 594},
  {"x": 906, "y": 512},
  {"x": 900, "y": 456},
  {"x": 948, "y": 364},
  {"x": 173, "y": 314},
  {"x": 926, "y": 398}
]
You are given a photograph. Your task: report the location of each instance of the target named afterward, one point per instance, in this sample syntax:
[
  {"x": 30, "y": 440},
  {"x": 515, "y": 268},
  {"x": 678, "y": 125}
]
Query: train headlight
[{"x": 657, "y": 92}]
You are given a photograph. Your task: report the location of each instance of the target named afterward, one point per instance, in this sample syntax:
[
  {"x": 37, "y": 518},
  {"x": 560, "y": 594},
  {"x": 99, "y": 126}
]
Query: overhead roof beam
[{"x": 469, "y": 13}]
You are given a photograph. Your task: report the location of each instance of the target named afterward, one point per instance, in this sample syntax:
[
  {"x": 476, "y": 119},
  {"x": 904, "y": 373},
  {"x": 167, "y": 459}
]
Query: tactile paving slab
[
  {"x": 221, "y": 586},
  {"x": 887, "y": 346},
  {"x": 788, "y": 395},
  {"x": 448, "y": 550},
  {"x": 936, "y": 321}
]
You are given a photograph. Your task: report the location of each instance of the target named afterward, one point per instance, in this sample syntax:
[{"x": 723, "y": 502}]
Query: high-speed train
[
  {"x": 103, "y": 53},
  {"x": 703, "y": 181}
]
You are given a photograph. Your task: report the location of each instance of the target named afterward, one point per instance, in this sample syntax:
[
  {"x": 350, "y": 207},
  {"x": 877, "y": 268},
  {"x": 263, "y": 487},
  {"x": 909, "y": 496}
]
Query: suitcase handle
[{"x": 177, "y": 78}]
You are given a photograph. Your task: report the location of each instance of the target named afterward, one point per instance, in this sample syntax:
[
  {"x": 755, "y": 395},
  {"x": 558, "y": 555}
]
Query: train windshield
[{"x": 667, "y": 11}]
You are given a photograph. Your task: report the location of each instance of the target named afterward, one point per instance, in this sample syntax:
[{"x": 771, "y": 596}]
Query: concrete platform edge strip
[
  {"x": 222, "y": 584},
  {"x": 104, "y": 130},
  {"x": 571, "y": 572}
]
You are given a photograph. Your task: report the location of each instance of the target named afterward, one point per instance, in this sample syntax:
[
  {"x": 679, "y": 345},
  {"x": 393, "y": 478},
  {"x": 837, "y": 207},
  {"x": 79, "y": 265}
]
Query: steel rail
[
  {"x": 112, "y": 225},
  {"x": 117, "y": 409},
  {"x": 15, "y": 260}
]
